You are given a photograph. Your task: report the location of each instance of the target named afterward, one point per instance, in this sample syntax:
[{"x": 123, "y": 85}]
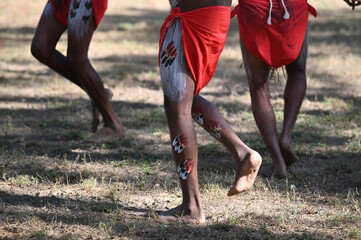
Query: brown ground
[{"x": 54, "y": 186}]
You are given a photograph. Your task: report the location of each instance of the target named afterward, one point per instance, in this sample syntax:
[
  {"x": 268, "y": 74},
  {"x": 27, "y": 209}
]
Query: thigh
[
  {"x": 81, "y": 27},
  {"x": 257, "y": 71},
  {"x": 300, "y": 63},
  {"x": 173, "y": 64},
  {"x": 49, "y": 29}
]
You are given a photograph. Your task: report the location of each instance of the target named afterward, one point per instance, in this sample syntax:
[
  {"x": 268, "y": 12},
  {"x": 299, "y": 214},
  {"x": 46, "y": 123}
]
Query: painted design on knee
[
  {"x": 185, "y": 168},
  {"x": 169, "y": 54},
  {"x": 179, "y": 143}
]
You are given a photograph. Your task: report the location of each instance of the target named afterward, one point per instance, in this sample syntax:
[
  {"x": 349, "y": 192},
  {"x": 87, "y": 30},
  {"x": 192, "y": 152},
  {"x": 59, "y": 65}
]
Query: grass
[{"x": 54, "y": 186}]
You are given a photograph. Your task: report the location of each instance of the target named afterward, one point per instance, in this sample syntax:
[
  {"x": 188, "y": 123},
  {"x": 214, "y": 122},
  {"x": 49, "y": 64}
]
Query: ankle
[
  {"x": 242, "y": 151},
  {"x": 192, "y": 207},
  {"x": 285, "y": 138}
]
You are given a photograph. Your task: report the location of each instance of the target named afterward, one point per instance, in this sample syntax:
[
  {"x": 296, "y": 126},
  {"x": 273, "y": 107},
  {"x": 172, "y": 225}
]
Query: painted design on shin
[
  {"x": 185, "y": 168},
  {"x": 211, "y": 126},
  {"x": 179, "y": 143},
  {"x": 198, "y": 117},
  {"x": 215, "y": 129},
  {"x": 169, "y": 54}
]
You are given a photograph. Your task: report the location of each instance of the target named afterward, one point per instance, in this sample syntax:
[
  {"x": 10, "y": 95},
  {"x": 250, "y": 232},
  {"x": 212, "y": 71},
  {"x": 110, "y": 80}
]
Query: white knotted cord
[
  {"x": 270, "y": 13},
  {"x": 285, "y": 16}
]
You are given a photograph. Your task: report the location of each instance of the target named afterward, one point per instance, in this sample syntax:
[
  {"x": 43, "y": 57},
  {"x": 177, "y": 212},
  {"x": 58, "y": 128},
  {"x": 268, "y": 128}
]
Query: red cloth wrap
[
  {"x": 277, "y": 44},
  {"x": 204, "y": 34},
  {"x": 62, "y": 13}
]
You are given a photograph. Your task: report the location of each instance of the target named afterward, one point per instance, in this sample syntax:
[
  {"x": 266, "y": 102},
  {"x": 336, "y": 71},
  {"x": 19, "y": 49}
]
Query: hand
[{"x": 353, "y": 3}]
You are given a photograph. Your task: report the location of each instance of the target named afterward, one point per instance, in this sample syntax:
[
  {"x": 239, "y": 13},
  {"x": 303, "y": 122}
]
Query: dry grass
[{"x": 53, "y": 186}]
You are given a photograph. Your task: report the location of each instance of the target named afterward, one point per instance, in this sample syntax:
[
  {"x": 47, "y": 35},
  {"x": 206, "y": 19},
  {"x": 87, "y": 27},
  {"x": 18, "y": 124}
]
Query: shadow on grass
[
  {"x": 136, "y": 222},
  {"x": 53, "y": 137}
]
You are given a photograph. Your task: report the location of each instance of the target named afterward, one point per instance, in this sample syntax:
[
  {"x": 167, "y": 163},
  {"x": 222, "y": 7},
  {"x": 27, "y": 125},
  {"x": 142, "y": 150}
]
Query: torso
[{"x": 188, "y": 5}]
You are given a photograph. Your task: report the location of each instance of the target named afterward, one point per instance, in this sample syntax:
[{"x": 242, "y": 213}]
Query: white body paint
[
  {"x": 47, "y": 10},
  {"x": 178, "y": 146},
  {"x": 76, "y": 25},
  {"x": 174, "y": 76}
]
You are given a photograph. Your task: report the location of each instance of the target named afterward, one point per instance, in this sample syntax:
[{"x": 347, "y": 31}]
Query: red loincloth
[
  {"x": 204, "y": 34},
  {"x": 62, "y": 13},
  {"x": 277, "y": 44}
]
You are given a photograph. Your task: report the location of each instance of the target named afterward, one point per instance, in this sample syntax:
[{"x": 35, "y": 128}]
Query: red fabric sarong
[
  {"x": 204, "y": 34},
  {"x": 277, "y": 44},
  {"x": 62, "y": 12}
]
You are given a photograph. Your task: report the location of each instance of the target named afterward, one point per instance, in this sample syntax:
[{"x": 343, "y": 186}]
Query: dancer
[
  {"x": 81, "y": 18},
  {"x": 192, "y": 39},
  {"x": 273, "y": 34}
]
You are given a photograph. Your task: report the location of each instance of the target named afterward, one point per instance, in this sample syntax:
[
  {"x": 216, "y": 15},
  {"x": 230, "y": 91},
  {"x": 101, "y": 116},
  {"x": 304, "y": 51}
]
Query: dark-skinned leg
[
  {"x": 182, "y": 131},
  {"x": 257, "y": 73},
  {"x": 294, "y": 94},
  {"x": 43, "y": 48},
  {"x": 78, "y": 62},
  {"x": 247, "y": 160}
]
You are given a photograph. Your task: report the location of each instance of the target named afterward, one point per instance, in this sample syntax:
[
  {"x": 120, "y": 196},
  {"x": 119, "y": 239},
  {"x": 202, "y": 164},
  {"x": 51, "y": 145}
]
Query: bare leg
[
  {"x": 81, "y": 67},
  {"x": 257, "y": 74},
  {"x": 97, "y": 116},
  {"x": 293, "y": 96},
  {"x": 184, "y": 146},
  {"x": 247, "y": 160},
  {"x": 43, "y": 45}
]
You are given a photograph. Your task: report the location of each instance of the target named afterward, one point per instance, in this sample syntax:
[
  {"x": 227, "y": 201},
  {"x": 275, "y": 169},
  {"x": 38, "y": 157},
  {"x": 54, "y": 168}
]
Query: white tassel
[
  {"x": 286, "y": 15},
  {"x": 269, "y": 20}
]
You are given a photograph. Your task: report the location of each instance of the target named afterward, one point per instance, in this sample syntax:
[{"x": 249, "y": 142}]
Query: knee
[
  {"x": 257, "y": 84},
  {"x": 77, "y": 60},
  {"x": 298, "y": 72},
  {"x": 39, "y": 50},
  {"x": 257, "y": 80}
]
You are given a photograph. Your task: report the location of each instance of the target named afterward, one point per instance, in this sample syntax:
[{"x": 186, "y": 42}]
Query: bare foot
[
  {"x": 271, "y": 171},
  {"x": 106, "y": 133},
  {"x": 288, "y": 154},
  {"x": 97, "y": 117},
  {"x": 246, "y": 172},
  {"x": 179, "y": 213}
]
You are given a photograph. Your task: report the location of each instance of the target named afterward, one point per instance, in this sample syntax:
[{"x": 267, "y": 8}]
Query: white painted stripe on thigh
[
  {"x": 47, "y": 10},
  {"x": 80, "y": 13},
  {"x": 173, "y": 64}
]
